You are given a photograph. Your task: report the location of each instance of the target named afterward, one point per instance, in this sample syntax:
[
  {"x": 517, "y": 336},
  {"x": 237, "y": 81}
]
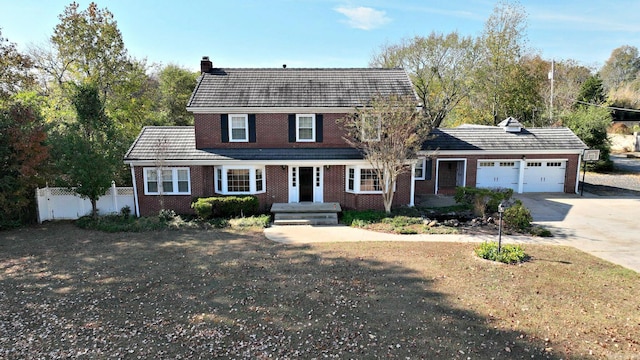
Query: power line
[{"x": 608, "y": 107}]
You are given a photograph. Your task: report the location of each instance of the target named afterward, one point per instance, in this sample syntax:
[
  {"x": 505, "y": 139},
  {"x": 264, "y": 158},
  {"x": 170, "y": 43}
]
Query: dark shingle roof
[
  {"x": 497, "y": 139},
  {"x": 297, "y": 87},
  {"x": 179, "y": 144}
]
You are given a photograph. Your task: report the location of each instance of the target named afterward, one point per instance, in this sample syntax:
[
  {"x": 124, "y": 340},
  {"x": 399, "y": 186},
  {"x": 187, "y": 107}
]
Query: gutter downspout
[{"x": 135, "y": 190}]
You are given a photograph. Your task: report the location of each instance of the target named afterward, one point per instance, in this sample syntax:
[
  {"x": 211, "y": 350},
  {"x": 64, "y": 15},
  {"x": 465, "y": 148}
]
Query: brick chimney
[{"x": 205, "y": 64}]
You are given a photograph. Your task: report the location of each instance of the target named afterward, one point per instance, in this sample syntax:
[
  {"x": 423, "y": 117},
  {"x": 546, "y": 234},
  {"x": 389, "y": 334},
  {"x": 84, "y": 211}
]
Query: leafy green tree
[
  {"x": 439, "y": 66},
  {"x": 590, "y": 124},
  {"x": 23, "y": 159},
  {"x": 88, "y": 151},
  {"x": 175, "y": 86},
  {"x": 389, "y": 132},
  {"x": 591, "y": 91}
]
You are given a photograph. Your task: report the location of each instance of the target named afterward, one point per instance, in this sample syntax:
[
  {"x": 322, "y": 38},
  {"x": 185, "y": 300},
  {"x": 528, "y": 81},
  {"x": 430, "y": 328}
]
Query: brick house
[{"x": 273, "y": 133}]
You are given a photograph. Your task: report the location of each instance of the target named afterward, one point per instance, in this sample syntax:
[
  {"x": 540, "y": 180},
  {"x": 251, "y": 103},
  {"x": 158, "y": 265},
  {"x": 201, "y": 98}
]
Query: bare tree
[{"x": 389, "y": 132}]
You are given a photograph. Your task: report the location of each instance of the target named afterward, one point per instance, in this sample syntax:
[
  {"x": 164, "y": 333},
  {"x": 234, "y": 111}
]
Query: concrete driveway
[{"x": 607, "y": 227}]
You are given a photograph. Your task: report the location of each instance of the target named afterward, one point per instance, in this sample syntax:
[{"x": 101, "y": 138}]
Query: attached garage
[
  {"x": 507, "y": 156},
  {"x": 544, "y": 176}
]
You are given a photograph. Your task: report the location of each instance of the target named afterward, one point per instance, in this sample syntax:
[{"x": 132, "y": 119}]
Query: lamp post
[{"x": 500, "y": 211}]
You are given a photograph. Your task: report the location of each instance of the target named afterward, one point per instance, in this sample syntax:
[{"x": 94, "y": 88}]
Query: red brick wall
[
  {"x": 272, "y": 131},
  {"x": 151, "y": 204},
  {"x": 374, "y": 201}
]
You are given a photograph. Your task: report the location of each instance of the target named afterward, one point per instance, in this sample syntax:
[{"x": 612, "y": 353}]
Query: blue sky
[{"x": 326, "y": 33}]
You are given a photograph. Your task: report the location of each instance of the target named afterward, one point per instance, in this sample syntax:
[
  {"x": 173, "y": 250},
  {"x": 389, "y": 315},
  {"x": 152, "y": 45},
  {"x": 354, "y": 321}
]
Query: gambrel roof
[{"x": 267, "y": 88}]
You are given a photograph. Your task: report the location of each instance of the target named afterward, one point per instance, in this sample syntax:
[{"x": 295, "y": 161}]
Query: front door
[{"x": 306, "y": 184}]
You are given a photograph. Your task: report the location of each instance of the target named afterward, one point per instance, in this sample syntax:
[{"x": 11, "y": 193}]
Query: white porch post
[
  {"x": 413, "y": 184},
  {"x": 135, "y": 191}
]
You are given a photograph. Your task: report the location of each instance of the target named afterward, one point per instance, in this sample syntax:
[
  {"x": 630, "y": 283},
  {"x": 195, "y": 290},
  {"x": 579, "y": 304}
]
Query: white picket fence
[{"x": 55, "y": 203}]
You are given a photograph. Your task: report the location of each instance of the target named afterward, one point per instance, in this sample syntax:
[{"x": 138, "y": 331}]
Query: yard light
[{"x": 500, "y": 211}]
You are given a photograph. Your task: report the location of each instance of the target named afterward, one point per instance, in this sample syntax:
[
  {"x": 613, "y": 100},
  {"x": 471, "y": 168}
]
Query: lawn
[{"x": 66, "y": 292}]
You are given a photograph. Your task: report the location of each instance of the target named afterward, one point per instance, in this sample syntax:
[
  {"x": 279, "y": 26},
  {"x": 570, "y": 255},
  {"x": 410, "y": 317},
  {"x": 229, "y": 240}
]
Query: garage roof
[{"x": 490, "y": 138}]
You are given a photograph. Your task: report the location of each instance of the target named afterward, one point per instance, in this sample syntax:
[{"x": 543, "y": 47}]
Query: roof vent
[{"x": 511, "y": 125}]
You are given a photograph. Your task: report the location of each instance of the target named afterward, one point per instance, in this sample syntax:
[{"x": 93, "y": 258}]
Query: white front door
[{"x": 306, "y": 184}]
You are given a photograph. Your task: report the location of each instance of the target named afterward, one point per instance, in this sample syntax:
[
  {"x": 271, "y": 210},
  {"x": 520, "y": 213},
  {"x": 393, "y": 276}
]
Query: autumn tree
[
  {"x": 88, "y": 152},
  {"x": 439, "y": 66},
  {"x": 15, "y": 70},
  {"x": 389, "y": 132},
  {"x": 501, "y": 44},
  {"x": 23, "y": 157},
  {"x": 622, "y": 66}
]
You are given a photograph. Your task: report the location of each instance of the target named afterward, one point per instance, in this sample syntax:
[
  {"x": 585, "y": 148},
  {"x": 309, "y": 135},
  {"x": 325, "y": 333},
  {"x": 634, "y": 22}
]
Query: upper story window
[
  {"x": 305, "y": 127},
  {"x": 167, "y": 181},
  {"x": 371, "y": 128},
  {"x": 238, "y": 127},
  {"x": 239, "y": 180}
]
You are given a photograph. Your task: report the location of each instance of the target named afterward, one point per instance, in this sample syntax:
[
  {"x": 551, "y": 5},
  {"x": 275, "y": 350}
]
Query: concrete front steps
[{"x": 305, "y": 213}]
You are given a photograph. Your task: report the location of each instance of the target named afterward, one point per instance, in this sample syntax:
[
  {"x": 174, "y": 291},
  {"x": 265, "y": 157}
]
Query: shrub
[
  {"x": 261, "y": 221},
  {"x": 482, "y": 200},
  {"x": 226, "y": 206},
  {"x": 125, "y": 212},
  {"x": 118, "y": 223},
  {"x": 362, "y": 217},
  {"x": 400, "y": 221},
  {"x": 166, "y": 215},
  {"x": 517, "y": 216},
  {"x": 540, "y": 231},
  {"x": 509, "y": 254}
]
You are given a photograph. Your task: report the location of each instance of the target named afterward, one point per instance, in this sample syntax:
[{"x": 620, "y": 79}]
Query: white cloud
[{"x": 364, "y": 18}]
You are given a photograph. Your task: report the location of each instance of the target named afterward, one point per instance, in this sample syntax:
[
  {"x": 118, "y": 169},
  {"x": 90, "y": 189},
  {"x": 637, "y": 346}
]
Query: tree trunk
[
  {"x": 387, "y": 195},
  {"x": 94, "y": 208}
]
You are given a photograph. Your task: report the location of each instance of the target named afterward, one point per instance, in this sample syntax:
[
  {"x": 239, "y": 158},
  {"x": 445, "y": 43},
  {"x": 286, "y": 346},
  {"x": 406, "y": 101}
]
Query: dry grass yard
[{"x": 72, "y": 293}]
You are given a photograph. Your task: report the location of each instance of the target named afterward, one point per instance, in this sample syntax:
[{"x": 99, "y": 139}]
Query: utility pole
[{"x": 551, "y": 76}]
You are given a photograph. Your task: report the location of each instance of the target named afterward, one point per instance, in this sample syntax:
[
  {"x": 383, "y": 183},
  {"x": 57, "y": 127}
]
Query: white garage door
[
  {"x": 498, "y": 174},
  {"x": 544, "y": 176}
]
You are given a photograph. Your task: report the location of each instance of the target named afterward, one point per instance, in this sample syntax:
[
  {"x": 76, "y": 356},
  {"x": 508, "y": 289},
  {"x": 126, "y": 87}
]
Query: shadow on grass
[{"x": 75, "y": 293}]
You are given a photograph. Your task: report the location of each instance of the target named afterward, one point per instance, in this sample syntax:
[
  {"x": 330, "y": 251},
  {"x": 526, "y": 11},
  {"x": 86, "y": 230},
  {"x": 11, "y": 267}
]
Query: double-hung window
[
  {"x": 239, "y": 179},
  {"x": 305, "y": 127},
  {"x": 238, "y": 128},
  {"x": 420, "y": 169},
  {"x": 371, "y": 127},
  {"x": 167, "y": 181}
]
